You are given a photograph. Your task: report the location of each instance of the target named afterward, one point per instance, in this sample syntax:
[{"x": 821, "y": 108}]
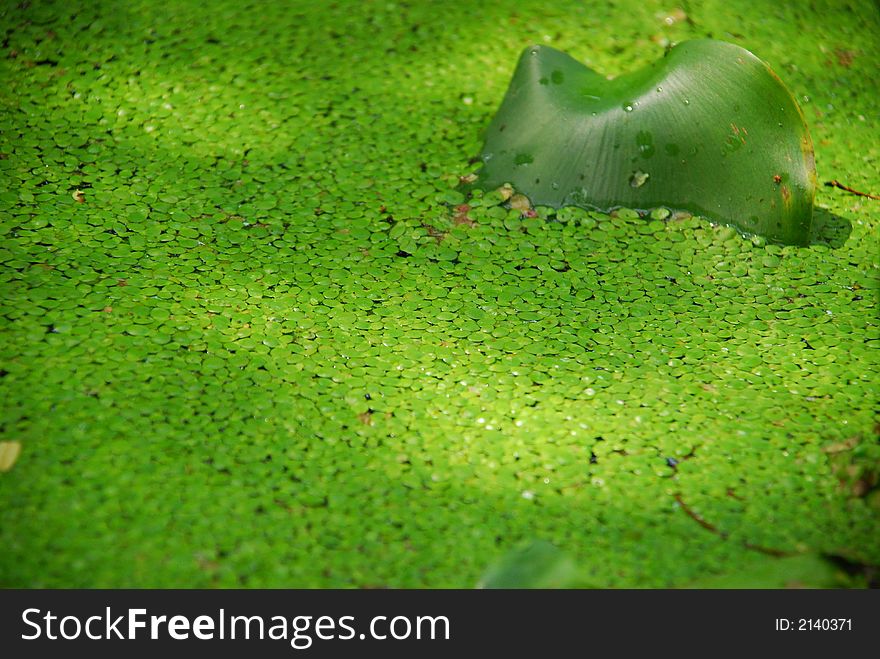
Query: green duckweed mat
[{"x": 248, "y": 338}]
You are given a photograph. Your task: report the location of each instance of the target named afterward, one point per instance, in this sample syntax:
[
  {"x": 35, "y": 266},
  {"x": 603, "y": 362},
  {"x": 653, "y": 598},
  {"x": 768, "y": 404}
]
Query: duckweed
[{"x": 253, "y": 335}]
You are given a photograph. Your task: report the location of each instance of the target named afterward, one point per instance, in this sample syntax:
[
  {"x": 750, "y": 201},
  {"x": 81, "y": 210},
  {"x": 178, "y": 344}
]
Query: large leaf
[{"x": 709, "y": 129}]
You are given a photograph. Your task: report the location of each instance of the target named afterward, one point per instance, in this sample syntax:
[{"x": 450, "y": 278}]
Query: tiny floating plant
[{"x": 708, "y": 129}]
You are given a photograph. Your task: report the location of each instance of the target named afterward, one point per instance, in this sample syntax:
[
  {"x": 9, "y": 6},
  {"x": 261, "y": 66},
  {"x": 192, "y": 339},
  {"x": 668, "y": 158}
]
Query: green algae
[
  {"x": 541, "y": 565},
  {"x": 253, "y": 336}
]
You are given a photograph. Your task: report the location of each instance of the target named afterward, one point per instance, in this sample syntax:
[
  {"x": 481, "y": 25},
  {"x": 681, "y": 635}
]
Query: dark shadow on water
[{"x": 829, "y": 228}]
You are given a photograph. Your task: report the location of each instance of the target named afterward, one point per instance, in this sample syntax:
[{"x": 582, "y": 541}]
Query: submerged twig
[
  {"x": 699, "y": 519},
  {"x": 838, "y": 184}
]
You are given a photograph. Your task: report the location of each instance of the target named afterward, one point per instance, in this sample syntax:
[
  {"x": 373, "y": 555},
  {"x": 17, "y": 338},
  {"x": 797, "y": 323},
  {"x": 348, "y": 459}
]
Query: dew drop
[
  {"x": 628, "y": 107},
  {"x": 687, "y": 102}
]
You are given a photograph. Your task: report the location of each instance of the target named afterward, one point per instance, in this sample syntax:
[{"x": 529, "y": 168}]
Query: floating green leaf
[
  {"x": 709, "y": 129},
  {"x": 537, "y": 564}
]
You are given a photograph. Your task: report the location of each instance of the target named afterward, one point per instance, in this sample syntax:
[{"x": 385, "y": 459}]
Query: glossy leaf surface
[{"x": 709, "y": 129}]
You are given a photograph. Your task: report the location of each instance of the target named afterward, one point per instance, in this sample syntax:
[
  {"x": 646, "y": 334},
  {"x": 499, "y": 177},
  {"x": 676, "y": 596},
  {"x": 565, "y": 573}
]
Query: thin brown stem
[
  {"x": 699, "y": 519},
  {"x": 838, "y": 184}
]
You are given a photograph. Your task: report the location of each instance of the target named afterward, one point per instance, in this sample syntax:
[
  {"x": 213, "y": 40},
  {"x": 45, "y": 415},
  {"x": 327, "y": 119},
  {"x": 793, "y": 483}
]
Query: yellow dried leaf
[{"x": 9, "y": 452}]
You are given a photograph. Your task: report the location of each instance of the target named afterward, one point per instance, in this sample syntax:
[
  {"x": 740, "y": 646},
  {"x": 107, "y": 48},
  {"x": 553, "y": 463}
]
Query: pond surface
[{"x": 252, "y": 335}]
